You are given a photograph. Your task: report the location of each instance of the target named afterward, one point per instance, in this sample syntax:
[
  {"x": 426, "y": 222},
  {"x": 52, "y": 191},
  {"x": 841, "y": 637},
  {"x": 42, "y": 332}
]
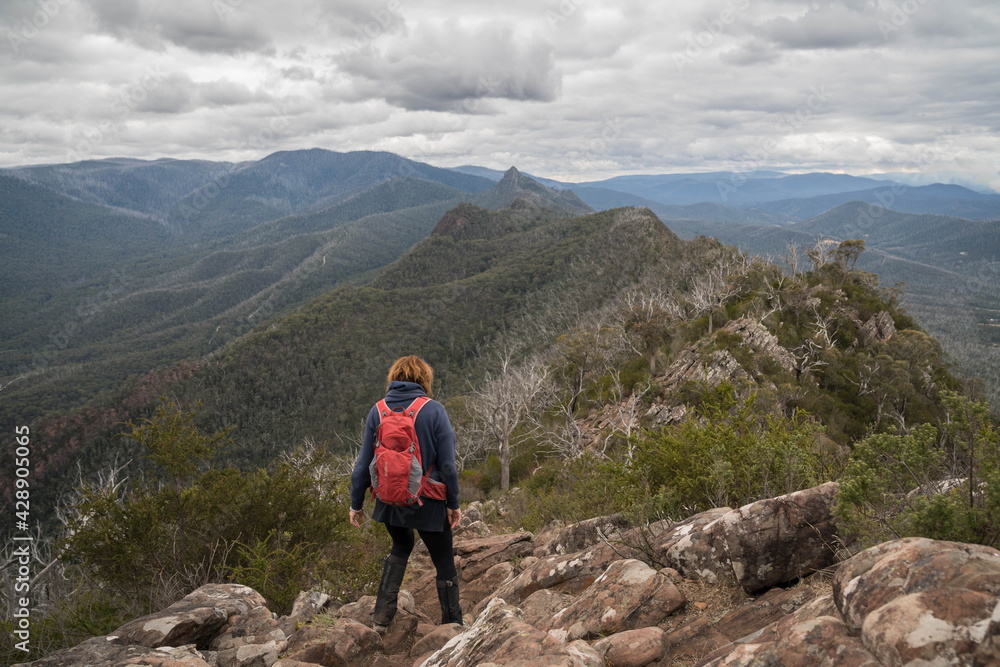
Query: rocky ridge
[{"x": 599, "y": 593}]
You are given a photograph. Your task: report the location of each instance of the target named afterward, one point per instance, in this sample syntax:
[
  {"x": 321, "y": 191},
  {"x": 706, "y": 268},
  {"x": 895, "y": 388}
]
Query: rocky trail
[{"x": 764, "y": 584}]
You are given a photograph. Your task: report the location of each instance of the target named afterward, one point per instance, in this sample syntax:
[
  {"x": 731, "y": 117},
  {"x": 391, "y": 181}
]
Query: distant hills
[
  {"x": 112, "y": 268},
  {"x": 116, "y": 293},
  {"x": 772, "y": 196}
]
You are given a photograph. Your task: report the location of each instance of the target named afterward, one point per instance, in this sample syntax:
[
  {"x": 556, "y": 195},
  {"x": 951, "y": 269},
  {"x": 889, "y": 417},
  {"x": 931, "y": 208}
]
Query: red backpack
[{"x": 396, "y": 469}]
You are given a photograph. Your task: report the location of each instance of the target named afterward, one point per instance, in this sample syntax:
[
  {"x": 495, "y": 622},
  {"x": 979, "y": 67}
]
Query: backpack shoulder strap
[
  {"x": 383, "y": 409},
  {"x": 415, "y": 407}
]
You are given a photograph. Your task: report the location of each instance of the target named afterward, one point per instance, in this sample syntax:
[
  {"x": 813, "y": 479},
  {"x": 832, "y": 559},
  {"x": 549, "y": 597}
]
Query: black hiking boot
[
  {"x": 451, "y": 610},
  {"x": 393, "y": 569}
]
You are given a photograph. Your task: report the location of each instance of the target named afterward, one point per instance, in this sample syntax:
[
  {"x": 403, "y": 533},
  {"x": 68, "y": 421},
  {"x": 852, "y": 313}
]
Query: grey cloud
[
  {"x": 830, "y": 26},
  {"x": 442, "y": 67},
  {"x": 219, "y": 26}
]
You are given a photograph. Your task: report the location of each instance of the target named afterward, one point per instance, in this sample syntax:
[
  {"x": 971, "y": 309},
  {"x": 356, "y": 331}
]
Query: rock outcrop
[{"x": 622, "y": 596}]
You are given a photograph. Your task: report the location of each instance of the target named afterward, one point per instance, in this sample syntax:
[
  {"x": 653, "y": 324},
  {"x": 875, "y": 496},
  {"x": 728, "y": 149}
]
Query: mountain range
[{"x": 125, "y": 278}]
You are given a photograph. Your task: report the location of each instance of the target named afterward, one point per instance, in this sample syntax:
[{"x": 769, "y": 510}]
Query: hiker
[{"x": 428, "y": 505}]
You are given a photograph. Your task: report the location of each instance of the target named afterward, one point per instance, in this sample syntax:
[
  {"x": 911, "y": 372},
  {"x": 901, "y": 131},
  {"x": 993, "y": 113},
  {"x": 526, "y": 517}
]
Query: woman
[{"x": 410, "y": 378}]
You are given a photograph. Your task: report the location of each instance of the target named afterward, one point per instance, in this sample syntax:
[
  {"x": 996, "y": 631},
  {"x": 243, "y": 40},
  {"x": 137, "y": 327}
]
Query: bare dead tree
[
  {"x": 791, "y": 256},
  {"x": 503, "y": 402}
]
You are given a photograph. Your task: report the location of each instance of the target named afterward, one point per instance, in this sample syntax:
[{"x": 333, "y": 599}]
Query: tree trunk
[{"x": 505, "y": 465}]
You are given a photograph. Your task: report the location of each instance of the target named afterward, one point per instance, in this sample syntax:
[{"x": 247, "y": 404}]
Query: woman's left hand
[
  {"x": 454, "y": 516},
  {"x": 355, "y": 514}
]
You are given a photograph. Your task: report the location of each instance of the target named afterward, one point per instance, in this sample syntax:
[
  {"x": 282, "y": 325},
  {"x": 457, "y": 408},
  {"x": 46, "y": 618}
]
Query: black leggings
[{"x": 439, "y": 544}]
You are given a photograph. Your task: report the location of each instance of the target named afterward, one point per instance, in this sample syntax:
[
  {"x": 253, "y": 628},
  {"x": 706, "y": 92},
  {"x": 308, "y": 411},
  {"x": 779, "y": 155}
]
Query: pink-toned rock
[
  {"x": 919, "y": 599},
  {"x": 255, "y": 627},
  {"x": 632, "y": 648},
  {"x": 288, "y": 662},
  {"x": 401, "y": 633},
  {"x": 480, "y": 554},
  {"x": 492, "y": 579},
  {"x": 781, "y": 539},
  {"x": 100, "y": 652},
  {"x": 500, "y": 637},
  {"x": 697, "y": 547},
  {"x": 343, "y": 644},
  {"x": 194, "y": 619},
  {"x": 249, "y": 655},
  {"x": 692, "y": 641},
  {"x": 435, "y": 639},
  {"x": 768, "y": 608},
  {"x": 819, "y": 641},
  {"x": 578, "y": 536},
  {"x": 629, "y": 595},
  {"x": 543, "y": 605},
  {"x": 580, "y": 569}
]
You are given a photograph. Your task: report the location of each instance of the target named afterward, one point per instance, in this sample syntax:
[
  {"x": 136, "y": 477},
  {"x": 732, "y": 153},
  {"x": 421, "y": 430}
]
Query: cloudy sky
[{"x": 571, "y": 89}]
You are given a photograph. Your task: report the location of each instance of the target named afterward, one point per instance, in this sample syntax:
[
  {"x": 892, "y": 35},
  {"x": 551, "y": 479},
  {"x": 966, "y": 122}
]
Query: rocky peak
[{"x": 516, "y": 186}]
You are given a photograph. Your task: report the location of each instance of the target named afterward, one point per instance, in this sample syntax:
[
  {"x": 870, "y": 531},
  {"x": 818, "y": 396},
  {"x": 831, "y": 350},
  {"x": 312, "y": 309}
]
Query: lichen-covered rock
[
  {"x": 761, "y": 341},
  {"x": 500, "y": 637},
  {"x": 918, "y": 599},
  {"x": 255, "y": 627},
  {"x": 249, "y": 655},
  {"x": 542, "y": 605},
  {"x": 578, "y": 536},
  {"x": 879, "y": 328},
  {"x": 629, "y": 595},
  {"x": 819, "y": 641},
  {"x": 580, "y": 568},
  {"x": 781, "y": 539},
  {"x": 102, "y": 652},
  {"x": 194, "y": 619},
  {"x": 344, "y": 643},
  {"x": 697, "y": 547},
  {"x": 307, "y": 604},
  {"x": 632, "y": 648}
]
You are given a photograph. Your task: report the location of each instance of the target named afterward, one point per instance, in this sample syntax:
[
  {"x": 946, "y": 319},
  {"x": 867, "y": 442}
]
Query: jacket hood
[{"x": 403, "y": 391}]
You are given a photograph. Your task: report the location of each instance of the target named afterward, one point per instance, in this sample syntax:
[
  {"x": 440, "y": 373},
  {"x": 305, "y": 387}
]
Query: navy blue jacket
[{"x": 437, "y": 449}]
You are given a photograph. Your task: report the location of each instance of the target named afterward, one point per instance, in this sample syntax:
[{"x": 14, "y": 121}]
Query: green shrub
[{"x": 891, "y": 487}]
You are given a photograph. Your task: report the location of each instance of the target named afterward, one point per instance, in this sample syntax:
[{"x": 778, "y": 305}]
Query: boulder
[
  {"x": 762, "y": 342},
  {"x": 629, "y": 595},
  {"x": 572, "y": 571},
  {"x": 478, "y": 555},
  {"x": 578, "y": 536},
  {"x": 345, "y": 643},
  {"x": 632, "y": 648},
  {"x": 106, "y": 652},
  {"x": 768, "y": 608},
  {"x": 879, "y": 328},
  {"x": 697, "y": 547},
  {"x": 194, "y": 619},
  {"x": 781, "y": 539},
  {"x": 500, "y": 637},
  {"x": 307, "y": 604},
  {"x": 249, "y": 655},
  {"x": 435, "y": 639},
  {"x": 692, "y": 641},
  {"x": 492, "y": 579},
  {"x": 542, "y": 605},
  {"x": 401, "y": 633},
  {"x": 917, "y": 599},
  {"x": 819, "y": 641},
  {"x": 255, "y": 627}
]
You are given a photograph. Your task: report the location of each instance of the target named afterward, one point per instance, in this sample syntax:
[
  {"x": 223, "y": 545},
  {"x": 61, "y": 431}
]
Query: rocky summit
[{"x": 764, "y": 584}]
